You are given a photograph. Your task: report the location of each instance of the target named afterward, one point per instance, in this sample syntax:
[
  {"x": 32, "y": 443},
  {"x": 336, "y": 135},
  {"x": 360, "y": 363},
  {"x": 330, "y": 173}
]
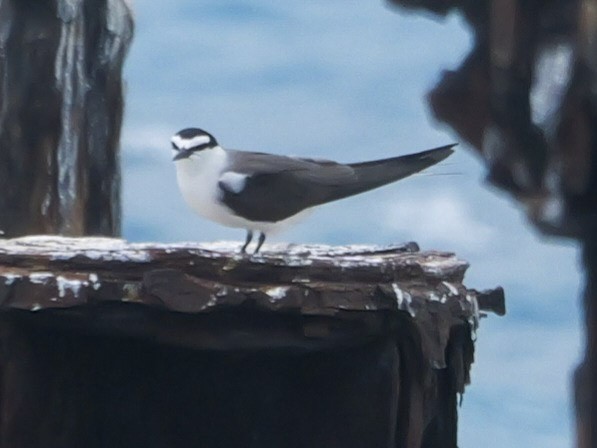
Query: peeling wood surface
[
  {"x": 72, "y": 274},
  {"x": 310, "y": 279}
]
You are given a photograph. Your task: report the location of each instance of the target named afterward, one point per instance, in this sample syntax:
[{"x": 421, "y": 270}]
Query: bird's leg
[
  {"x": 259, "y": 242},
  {"x": 243, "y": 249}
]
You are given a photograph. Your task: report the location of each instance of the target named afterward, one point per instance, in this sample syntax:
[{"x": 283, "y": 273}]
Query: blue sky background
[{"x": 345, "y": 80}]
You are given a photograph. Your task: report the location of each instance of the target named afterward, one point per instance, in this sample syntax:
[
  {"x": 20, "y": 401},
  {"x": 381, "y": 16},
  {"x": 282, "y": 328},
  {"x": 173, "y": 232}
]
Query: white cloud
[{"x": 439, "y": 217}]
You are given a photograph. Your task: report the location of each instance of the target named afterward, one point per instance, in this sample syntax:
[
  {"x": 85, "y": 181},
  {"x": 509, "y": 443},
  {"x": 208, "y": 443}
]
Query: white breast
[{"x": 198, "y": 177}]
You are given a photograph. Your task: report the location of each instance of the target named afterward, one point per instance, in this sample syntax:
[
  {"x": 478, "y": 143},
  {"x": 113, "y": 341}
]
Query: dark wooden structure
[
  {"x": 525, "y": 99},
  {"x": 60, "y": 115},
  {"x": 109, "y": 344}
]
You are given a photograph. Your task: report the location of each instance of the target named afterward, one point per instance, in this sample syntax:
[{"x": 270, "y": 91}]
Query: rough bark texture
[
  {"x": 526, "y": 99},
  {"x": 107, "y": 344},
  {"x": 60, "y": 115}
]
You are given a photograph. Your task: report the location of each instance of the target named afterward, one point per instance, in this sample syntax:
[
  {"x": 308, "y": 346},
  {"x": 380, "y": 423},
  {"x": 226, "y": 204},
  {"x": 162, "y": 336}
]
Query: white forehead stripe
[
  {"x": 188, "y": 143},
  {"x": 234, "y": 182}
]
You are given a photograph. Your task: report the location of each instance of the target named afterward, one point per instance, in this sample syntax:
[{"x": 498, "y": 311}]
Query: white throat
[{"x": 198, "y": 177}]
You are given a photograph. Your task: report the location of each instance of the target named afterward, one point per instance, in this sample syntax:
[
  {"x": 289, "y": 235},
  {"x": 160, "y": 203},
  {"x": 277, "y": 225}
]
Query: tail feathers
[{"x": 374, "y": 174}]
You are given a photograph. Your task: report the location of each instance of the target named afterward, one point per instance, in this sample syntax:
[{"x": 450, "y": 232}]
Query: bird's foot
[{"x": 259, "y": 242}]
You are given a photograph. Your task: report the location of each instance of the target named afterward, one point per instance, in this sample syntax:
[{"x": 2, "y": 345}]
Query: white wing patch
[
  {"x": 187, "y": 143},
  {"x": 234, "y": 182}
]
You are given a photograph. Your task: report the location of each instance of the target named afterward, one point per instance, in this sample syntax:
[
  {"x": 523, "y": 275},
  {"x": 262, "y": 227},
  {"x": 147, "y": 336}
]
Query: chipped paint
[
  {"x": 40, "y": 278},
  {"x": 438, "y": 267},
  {"x": 222, "y": 291},
  {"x": 59, "y": 248},
  {"x": 297, "y": 262},
  {"x": 399, "y": 294},
  {"x": 433, "y": 297},
  {"x": 213, "y": 300},
  {"x": 453, "y": 291},
  {"x": 63, "y": 285},
  {"x": 126, "y": 256},
  {"x": 345, "y": 258},
  {"x": 474, "y": 316},
  {"x": 403, "y": 299},
  {"x": 9, "y": 279},
  {"x": 94, "y": 280},
  {"x": 67, "y": 284},
  {"x": 352, "y": 261},
  {"x": 289, "y": 255},
  {"x": 299, "y": 279},
  {"x": 277, "y": 292}
]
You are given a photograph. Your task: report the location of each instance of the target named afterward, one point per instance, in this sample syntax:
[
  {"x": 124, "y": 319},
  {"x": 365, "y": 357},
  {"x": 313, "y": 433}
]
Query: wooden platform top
[
  {"x": 39, "y": 251},
  {"x": 69, "y": 275}
]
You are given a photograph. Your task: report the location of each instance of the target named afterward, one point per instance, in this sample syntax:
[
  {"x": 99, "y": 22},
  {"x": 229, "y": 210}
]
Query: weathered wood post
[
  {"x": 109, "y": 344},
  {"x": 525, "y": 98},
  {"x": 60, "y": 115}
]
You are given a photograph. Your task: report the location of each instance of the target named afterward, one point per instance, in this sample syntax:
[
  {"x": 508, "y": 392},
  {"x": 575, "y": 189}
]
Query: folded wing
[{"x": 278, "y": 187}]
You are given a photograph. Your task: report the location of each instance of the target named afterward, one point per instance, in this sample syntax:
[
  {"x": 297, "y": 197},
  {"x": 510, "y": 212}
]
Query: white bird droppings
[
  {"x": 403, "y": 299},
  {"x": 451, "y": 288},
  {"x": 94, "y": 280},
  {"x": 69, "y": 284},
  {"x": 277, "y": 292},
  {"x": 40, "y": 278}
]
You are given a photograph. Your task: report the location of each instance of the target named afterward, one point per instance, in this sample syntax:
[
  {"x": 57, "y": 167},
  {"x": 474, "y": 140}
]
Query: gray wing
[
  {"x": 277, "y": 187},
  {"x": 257, "y": 163}
]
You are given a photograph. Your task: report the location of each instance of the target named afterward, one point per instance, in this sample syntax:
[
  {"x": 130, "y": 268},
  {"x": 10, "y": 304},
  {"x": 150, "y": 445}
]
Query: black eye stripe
[
  {"x": 191, "y": 133},
  {"x": 174, "y": 146},
  {"x": 198, "y": 147}
]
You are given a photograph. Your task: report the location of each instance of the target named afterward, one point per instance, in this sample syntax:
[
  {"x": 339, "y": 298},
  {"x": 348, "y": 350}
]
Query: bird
[{"x": 262, "y": 192}]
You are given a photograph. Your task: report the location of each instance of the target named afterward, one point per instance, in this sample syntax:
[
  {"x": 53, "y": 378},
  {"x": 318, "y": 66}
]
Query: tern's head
[{"x": 189, "y": 141}]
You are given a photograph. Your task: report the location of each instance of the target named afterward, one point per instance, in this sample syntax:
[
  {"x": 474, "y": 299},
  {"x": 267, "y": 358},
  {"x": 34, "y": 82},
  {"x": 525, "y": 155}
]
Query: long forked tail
[{"x": 370, "y": 175}]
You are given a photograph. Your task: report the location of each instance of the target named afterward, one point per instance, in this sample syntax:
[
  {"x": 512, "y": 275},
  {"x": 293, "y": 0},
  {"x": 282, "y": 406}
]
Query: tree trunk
[{"x": 60, "y": 115}]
